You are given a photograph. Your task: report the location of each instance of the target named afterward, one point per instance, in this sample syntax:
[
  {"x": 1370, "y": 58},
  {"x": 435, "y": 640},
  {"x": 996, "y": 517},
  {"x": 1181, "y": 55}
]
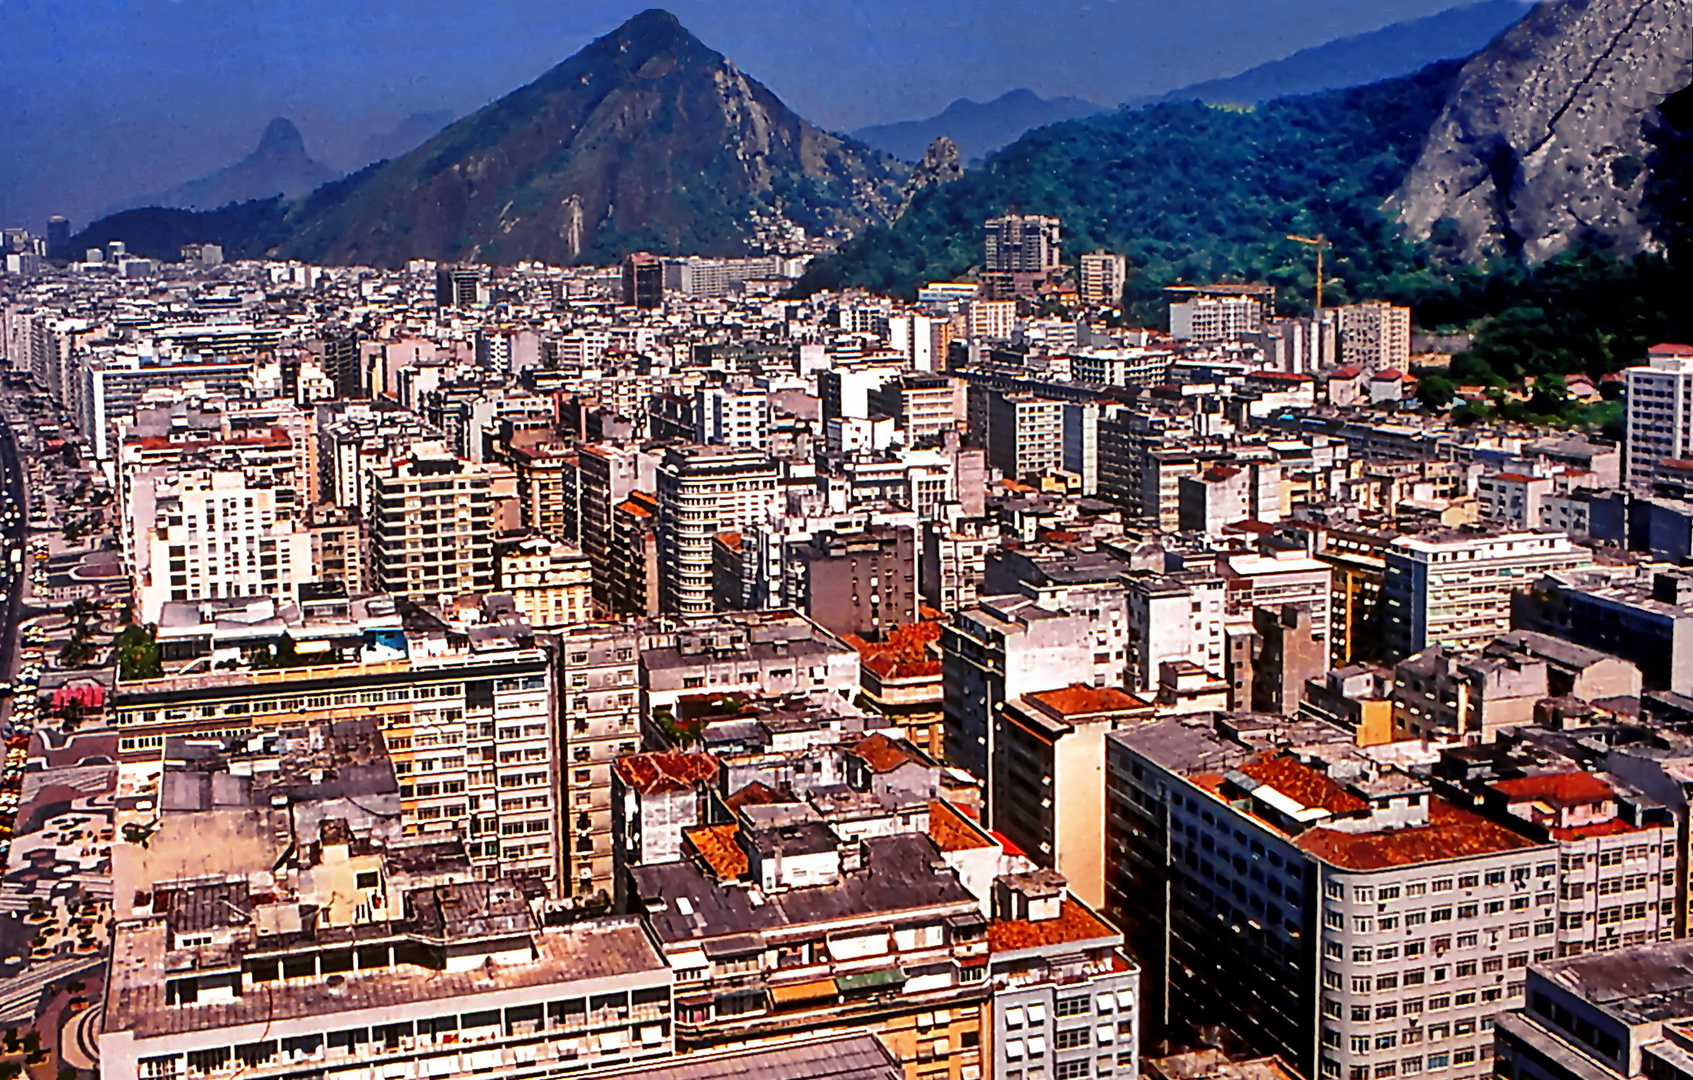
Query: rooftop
[
  {"x": 665, "y": 771},
  {"x": 1074, "y": 924},
  {"x": 952, "y": 831},
  {"x": 1078, "y": 700},
  {"x": 1450, "y": 834},
  {"x": 1638, "y": 985},
  {"x": 584, "y": 952},
  {"x": 899, "y": 875},
  {"x": 1557, "y": 789}
]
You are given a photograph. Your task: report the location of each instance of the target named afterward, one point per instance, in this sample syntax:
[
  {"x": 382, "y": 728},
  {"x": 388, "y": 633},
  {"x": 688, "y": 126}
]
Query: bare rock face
[
  {"x": 1543, "y": 138},
  {"x": 941, "y": 164}
]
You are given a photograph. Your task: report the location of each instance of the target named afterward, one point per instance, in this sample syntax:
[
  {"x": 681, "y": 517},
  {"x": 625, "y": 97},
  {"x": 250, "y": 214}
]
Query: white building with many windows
[{"x": 1660, "y": 411}]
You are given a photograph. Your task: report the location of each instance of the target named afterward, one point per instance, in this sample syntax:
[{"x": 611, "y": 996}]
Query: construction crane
[{"x": 1320, "y": 242}]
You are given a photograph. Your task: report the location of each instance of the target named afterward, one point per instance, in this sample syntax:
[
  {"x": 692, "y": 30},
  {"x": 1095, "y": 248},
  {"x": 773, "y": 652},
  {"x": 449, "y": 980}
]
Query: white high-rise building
[
  {"x": 1454, "y": 588},
  {"x": 1103, "y": 275},
  {"x": 203, "y": 533},
  {"x": 1215, "y": 318},
  {"x": 1660, "y": 411},
  {"x": 1376, "y": 335},
  {"x": 702, "y": 491},
  {"x": 725, "y": 416}
]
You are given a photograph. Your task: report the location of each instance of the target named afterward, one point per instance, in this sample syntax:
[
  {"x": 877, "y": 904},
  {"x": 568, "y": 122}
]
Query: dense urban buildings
[{"x": 457, "y": 670}]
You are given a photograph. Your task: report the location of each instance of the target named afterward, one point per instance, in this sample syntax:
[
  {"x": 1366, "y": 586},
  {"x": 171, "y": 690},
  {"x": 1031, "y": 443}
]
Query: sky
[{"x": 102, "y": 100}]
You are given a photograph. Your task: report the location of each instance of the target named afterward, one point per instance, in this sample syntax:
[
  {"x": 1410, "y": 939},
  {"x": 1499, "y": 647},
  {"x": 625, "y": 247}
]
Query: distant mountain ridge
[
  {"x": 402, "y": 138},
  {"x": 644, "y": 139},
  {"x": 279, "y": 165},
  {"x": 977, "y": 128},
  {"x": 1360, "y": 59}
]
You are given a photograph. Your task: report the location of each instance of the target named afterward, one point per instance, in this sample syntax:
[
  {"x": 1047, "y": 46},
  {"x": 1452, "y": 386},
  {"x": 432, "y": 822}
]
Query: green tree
[{"x": 1435, "y": 390}]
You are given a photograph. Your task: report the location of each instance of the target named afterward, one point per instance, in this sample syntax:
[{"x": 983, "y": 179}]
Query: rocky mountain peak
[{"x": 1544, "y": 137}]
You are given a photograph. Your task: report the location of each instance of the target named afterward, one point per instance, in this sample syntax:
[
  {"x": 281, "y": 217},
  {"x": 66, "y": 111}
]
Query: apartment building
[
  {"x": 1332, "y": 912},
  {"x": 206, "y": 533},
  {"x": 1066, "y": 998},
  {"x": 798, "y": 928},
  {"x": 1622, "y": 1014},
  {"x": 1472, "y": 695},
  {"x": 599, "y": 676},
  {"x": 551, "y": 582},
  {"x": 1659, "y": 424},
  {"x": 1047, "y": 780},
  {"x": 469, "y": 726},
  {"x": 1102, "y": 276},
  {"x": 997, "y": 651},
  {"x": 1643, "y": 614},
  {"x": 1025, "y": 435},
  {"x": 702, "y": 491},
  {"x": 1375, "y": 334},
  {"x": 955, "y": 560},
  {"x": 1454, "y": 587},
  {"x": 730, "y": 416},
  {"x": 1173, "y": 618},
  {"x": 285, "y": 925},
  {"x": 763, "y": 653},
  {"x": 432, "y": 525},
  {"x": 921, "y": 405}
]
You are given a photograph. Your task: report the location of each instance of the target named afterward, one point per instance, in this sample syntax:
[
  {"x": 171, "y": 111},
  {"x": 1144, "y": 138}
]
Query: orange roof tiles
[
  {"x": 669, "y": 770},
  {"x": 716, "y": 845},
  {"x": 1074, "y": 923},
  {"x": 1303, "y": 784},
  {"x": 1613, "y": 827},
  {"x": 951, "y": 831},
  {"x": 757, "y": 793},
  {"x": 1558, "y": 789},
  {"x": 904, "y": 653},
  {"x": 1079, "y": 699},
  {"x": 883, "y": 754},
  {"x": 1451, "y": 834}
]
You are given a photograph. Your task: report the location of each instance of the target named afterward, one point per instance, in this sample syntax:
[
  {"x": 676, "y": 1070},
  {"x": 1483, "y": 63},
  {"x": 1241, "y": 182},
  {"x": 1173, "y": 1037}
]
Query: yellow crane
[{"x": 1320, "y": 242}]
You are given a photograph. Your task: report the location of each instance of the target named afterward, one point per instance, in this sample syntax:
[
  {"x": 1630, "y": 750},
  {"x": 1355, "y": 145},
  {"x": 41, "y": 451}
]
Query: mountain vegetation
[{"x": 645, "y": 138}]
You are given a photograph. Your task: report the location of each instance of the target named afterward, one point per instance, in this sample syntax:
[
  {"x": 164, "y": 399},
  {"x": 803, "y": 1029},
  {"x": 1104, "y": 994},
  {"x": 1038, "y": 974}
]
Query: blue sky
[{"x": 101, "y": 99}]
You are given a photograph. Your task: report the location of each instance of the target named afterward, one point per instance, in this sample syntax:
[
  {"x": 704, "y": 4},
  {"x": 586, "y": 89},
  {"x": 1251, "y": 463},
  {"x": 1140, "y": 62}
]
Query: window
[
  {"x": 1070, "y": 1038},
  {"x": 1072, "y": 1006},
  {"x": 1071, "y": 1070}
]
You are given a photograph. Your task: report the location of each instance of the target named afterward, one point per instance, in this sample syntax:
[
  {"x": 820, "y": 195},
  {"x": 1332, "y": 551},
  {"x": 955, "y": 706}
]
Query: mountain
[
  {"x": 1392, "y": 51},
  {"x": 408, "y": 134},
  {"x": 1547, "y": 132},
  {"x": 278, "y": 166},
  {"x": 978, "y": 129},
  {"x": 1187, "y": 191},
  {"x": 645, "y": 139}
]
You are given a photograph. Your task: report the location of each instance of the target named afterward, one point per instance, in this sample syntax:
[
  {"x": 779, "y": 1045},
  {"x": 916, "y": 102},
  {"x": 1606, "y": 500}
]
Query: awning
[
  {"x": 792, "y": 993},
  {"x": 682, "y": 961},
  {"x": 734, "y": 945},
  {"x": 871, "y": 980}
]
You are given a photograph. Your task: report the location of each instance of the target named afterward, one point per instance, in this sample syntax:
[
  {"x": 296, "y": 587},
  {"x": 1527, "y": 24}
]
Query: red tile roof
[
  {"x": 1450, "y": 834},
  {"x": 1558, "y": 789},
  {"x": 952, "y": 831},
  {"x": 669, "y": 770},
  {"x": 883, "y": 754},
  {"x": 757, "y": 793},
  {"x": 1074, "y": 923},
  {"x": 1613, "y": 827},
  {"x": 1079, "y": 699},
  {"x": 716, "y": 845},
  {"x": 1670, "y": 348},
  {"x": 1303, "y": 784}
]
